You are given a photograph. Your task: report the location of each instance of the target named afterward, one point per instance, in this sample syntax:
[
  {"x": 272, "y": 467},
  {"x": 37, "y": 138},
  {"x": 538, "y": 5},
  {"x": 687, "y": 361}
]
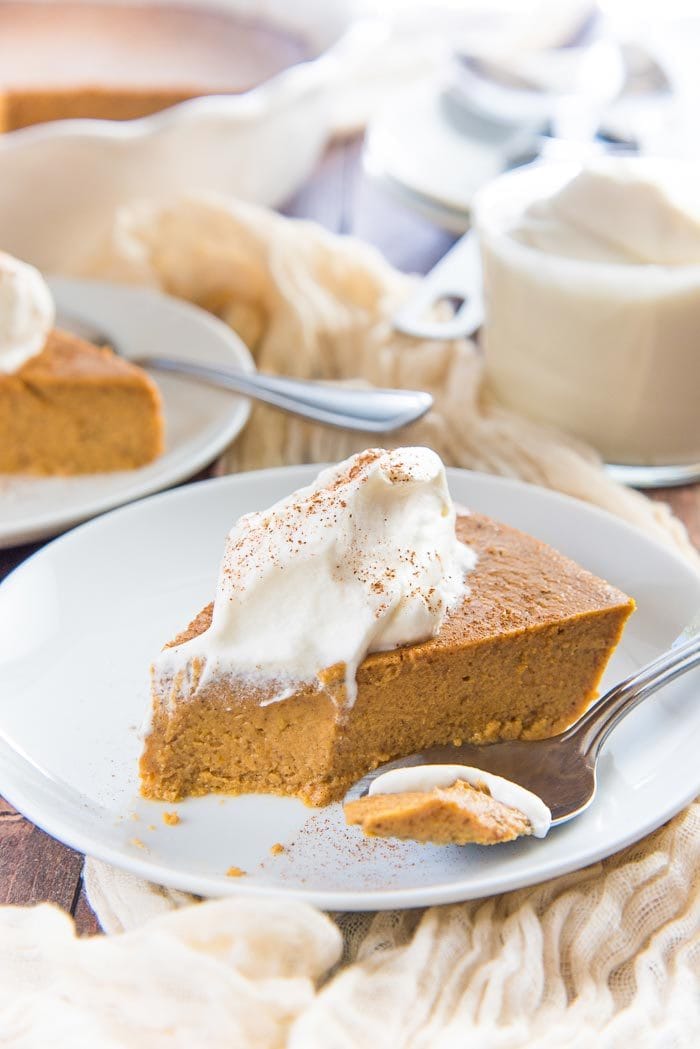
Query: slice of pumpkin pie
[
  {"x": 66, "y": 406},
  {"x": 360, "y": 620},
  {"x": 448, "y": 805}
]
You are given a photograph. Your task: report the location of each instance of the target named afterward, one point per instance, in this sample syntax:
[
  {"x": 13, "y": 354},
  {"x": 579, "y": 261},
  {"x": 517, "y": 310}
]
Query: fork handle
[
  {"x": 371, "y": 410},
  {"x": 595, "y": 726}
]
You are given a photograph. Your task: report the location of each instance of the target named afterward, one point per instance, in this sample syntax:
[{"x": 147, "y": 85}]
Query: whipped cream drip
[
  {"x": 363, "y": 560},
  {"x": 424, "y": 778},
  {"x": 27, "y": 313}
]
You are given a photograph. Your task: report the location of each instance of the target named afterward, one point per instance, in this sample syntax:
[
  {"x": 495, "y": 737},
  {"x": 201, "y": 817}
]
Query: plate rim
[
  {"x": 339, "y": 900},
  {"x": 33, "y": 528}
]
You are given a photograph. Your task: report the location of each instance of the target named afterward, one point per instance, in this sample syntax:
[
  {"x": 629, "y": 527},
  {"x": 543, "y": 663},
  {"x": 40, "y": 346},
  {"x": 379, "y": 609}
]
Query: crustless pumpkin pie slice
[
  {"x": 521, "y": 657},
  {"x": 75, "y": 408},
  {"x": 461, "y": 814}
]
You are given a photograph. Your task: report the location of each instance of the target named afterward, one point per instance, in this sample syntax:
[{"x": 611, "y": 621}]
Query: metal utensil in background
[
  {"x": 457, "y": 279},
  {"x": 369, "y": 410}
]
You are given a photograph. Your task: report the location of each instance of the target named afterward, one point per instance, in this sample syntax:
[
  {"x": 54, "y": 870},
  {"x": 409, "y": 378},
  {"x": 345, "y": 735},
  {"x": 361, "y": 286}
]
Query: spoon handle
[
  {"x": 595, "y": 726},
  {"x": 456, "y": 276},
  {"x": 370, "y": 410}
]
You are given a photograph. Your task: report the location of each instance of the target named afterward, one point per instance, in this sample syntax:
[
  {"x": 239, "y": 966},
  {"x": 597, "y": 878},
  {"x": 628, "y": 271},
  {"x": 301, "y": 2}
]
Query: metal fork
[
  {"x": 562, "y": 769},
  {"x": 369, "y": 410}
]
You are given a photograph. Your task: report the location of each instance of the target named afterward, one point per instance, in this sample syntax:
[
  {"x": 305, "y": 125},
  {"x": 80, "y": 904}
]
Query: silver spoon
[
  {"x": 560, "y": 770},
  {"x": 370, "y": 410}
]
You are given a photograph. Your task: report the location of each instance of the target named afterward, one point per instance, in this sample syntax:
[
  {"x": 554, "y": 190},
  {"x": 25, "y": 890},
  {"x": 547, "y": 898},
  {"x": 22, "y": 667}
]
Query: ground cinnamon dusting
[{"x": 243, "y": 554}]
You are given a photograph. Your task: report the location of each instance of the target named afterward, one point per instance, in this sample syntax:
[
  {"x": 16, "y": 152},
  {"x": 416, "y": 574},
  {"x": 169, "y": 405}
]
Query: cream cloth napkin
[{"x": 607, "y": 956}]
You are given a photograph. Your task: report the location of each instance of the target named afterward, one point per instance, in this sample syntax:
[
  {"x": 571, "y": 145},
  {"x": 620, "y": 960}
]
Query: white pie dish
[{"x": 61, "y": 183}]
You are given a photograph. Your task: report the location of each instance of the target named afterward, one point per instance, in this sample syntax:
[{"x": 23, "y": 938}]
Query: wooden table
[{"x": 34, "y": 867}]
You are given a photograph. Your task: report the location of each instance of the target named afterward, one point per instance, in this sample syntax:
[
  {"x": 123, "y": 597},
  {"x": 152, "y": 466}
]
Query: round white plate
[
  {"x": 80, "y": 621},
  {"x": 418, "y": 148},
  {"x": 200, "y": 421}
]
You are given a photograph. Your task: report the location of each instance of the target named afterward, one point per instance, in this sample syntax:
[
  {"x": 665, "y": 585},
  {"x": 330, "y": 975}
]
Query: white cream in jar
[{"x": 592, "y": 296}]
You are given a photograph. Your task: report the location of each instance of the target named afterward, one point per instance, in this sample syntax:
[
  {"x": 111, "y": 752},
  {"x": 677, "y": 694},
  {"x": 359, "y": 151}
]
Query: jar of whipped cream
[{"x": 592, "y": 303}]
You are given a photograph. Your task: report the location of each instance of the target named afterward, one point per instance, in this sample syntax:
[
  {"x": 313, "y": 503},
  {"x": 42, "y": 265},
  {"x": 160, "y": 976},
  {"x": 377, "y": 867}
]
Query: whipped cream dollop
[
  {"x": 27, "y": 312},
  {"x": 619, "y": 210},
  {"x": 424, "y": 778},
  {"x": 363, "y": 560}
]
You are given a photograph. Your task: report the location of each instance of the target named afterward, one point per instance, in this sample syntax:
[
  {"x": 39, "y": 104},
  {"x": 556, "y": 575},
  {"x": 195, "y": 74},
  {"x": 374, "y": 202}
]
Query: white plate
[
  {"x": 440, "y": 178},
  {"x": 200, "y": 421},
  {"x": 80, "y": 621}
]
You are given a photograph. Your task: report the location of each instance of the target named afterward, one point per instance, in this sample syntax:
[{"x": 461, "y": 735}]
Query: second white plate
[
  {"x": 200, "y": 421},
  {"x": 81, "y": 620}
]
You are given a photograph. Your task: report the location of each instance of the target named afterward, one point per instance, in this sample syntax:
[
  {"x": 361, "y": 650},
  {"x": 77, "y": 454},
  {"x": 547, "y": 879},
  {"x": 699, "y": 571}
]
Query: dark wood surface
[{"x": 34, "y": 867}]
